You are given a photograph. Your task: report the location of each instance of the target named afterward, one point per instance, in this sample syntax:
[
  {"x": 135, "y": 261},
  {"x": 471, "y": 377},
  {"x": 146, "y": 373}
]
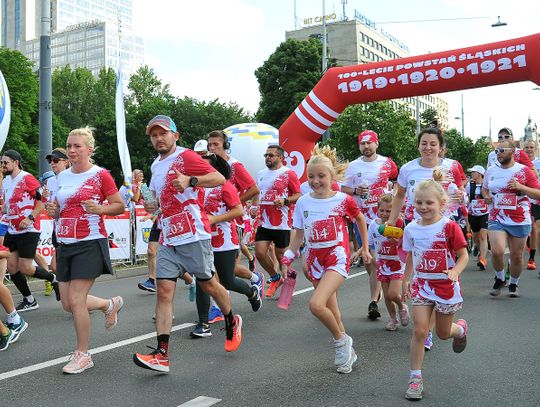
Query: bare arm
[
  {"x": 397, "y": 204},
  {"x": 249, "y": 193}
]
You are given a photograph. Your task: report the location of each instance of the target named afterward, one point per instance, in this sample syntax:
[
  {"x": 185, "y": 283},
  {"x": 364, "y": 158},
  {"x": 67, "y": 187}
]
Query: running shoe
[
  {"x": 252, "y": 264},
  {"x": 192, "y": 291},
  {"x": 48, "y": 288},
  {"x": 373, "y": 311},
  {"x": 274, "y": 285},
  {"x": 17, "y": 328},
  {"x": 25, "y": 305},
  {"x": 56, "y": 289},
  {"x": 391, "y": 325},
  {"x": 482, "y": 263},
  {"x": 404, "y": 318},
  {"x": 459, "y": 343},
  {"x": 255, "y": 300},
  {"x": 78, "y": 363},
  {"x": 415, "y": 388},
  {"x": 201, "y": 330},
  {"x": 111, "y": 317},
  {"x": 147, "y": 285},
  {"x": 259, "y": 284},
  {"x": 215, "y": 315},
  {"x": 428, "y": 344},
  {"x": 234, "y": 338},
  {"x": 531, "y": 264},
  {"x": 513, "y": 291},
  {"x": 496, "y": 290},
  {"x": 345, "y": 355},
  {"x": 7, "y": 339},
  {"x": 155, "y": 360}
]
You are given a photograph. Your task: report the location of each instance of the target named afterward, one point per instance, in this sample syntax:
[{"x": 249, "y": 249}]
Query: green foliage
[
  {"x": 465, "y": 150},
  {"x": 22, "y": 83}
]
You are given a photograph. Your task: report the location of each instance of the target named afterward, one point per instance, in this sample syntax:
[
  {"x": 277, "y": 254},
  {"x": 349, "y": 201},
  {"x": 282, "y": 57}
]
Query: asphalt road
[{"x": 286, "y": 357}]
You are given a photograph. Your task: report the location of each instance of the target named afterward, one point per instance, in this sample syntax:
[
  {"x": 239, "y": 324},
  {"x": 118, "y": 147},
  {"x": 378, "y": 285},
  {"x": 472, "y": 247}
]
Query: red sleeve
[
  {"x": 393, "y": 170},
  {"x": 525, "y": 160},
  {"x": 195, "y": 165},
  {"x": 400, "y": 223},
  {"x": 108, "y": 187},
  {"x": 335, "y": 186},
  {"x": 460, "y": 169},
  {"x": 294, "y": 183},
  {"x": 351, "y": 207},
  {"x": 530, "y": 179},
  {"x": 456, "y": 240},
  {"x": 31, "y": 184},
  {"x": 458, "y": 180},
  {"x": 230, "y": 195},
  {"x": 243, "y": 181}
]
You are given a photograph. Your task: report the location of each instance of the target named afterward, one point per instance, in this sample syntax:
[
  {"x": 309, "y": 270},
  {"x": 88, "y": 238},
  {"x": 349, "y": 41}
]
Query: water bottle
[
  {"x": 287, "y": 290},
  {"x": 364, "y": 184},
  {"x": 148, "y": 196},
  {"x": 390, "y": 231}
]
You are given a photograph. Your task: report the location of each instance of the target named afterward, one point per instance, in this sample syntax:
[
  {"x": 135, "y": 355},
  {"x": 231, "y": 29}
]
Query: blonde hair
[
  {"x": 385, "y": 198},
  {"x": 434, "y": 187},
  {"x": 87, "y": 133},
  {"x": 327, "y": 156}
]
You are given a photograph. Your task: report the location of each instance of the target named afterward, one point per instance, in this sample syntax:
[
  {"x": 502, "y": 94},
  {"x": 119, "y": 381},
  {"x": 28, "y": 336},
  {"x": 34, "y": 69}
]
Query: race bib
[
  {"x": 66, "y": 228},
  {"x": 387, "y": 252},
  {"x": 269, "y": 197},
  {"x": 478, "y": 205},
  {"x": 177, "y": 226},
  {"x": 505, "y": 201},
  {"x": 431, "y": 261},
  {"x": 323, "y": 233}
]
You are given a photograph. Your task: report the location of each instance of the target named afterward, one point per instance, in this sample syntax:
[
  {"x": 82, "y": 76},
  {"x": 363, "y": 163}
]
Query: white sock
[
  {"x": 462, "y": 331},
  {"x": 14, "y": 318},
  {"x": 514, "y": 280},
  {"x": 254, "y": 278},
  {"x": 415, "y": 373},
  {"x": 500, "y": 275},
  {"x": 110, "y": 308},
  {"x": 30, "y": 298}
]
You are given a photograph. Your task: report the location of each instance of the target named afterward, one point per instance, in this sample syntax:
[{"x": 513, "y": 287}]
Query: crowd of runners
[{"x": 412, "y": 227}]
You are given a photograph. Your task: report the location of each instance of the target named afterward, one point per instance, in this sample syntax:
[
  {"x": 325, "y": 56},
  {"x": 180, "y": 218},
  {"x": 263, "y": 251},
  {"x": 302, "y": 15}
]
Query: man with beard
[
  {"x": 366, "y": 180},
  {"x": 279, "y": 187},
  {"x": 520, "y": 156}
]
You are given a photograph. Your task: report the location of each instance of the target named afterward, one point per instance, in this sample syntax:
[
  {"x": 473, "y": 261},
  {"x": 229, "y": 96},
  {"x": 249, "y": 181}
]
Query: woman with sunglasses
[{"x": 506, "y": 189}]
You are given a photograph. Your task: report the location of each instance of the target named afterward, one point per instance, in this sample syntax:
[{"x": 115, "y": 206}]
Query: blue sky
[{"x": 209, "y": 49}]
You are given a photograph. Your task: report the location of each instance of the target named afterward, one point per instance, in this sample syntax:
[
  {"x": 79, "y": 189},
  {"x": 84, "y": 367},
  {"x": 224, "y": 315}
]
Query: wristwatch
[
  {"x": 193, "y": 181},
  {"x": 31, "y": 217}
]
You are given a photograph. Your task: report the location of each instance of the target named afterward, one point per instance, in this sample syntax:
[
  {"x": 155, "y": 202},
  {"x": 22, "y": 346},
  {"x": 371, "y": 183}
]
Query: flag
[
  {"x": 123, "y": 150},
  {"x": 5, "y": 111}
]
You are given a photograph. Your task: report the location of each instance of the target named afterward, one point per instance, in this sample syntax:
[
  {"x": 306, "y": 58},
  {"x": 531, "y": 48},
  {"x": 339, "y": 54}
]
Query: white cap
[
  {"x": 200, "y": 146},
  {"x": 477, "y": 168}
]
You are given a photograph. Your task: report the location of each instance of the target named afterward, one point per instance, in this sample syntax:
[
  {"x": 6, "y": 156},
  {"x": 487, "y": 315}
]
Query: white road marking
[
  {"x": 64, "y": 359},
  {"x": 201, "y": 401}
]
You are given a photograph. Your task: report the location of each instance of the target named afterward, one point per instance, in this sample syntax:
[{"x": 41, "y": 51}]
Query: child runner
[
  {"x": 388, "y": 266},
  {"x": 437, "y": 255},
  {"x": 321, "y": 216}
]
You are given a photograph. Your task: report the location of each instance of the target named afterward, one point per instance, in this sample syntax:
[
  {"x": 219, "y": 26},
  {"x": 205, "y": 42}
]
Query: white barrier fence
[{"x": 128, "y": 239}]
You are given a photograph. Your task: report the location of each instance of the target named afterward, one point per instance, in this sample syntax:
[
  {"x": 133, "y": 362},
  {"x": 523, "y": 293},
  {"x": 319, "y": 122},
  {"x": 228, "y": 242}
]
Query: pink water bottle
[{"x": 287, "y": 290}]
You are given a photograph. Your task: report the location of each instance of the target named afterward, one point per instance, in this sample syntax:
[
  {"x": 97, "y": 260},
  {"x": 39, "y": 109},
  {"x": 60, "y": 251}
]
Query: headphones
[{"x": 226, "y": 144}]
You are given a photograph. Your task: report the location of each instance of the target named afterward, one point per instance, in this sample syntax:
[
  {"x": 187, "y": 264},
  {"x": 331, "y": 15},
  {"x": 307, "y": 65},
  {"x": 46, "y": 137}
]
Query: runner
[
  {"x": 505, "y": 134},
  {"x": 178, "y": 178},
  {"x": 279, "y": 187},
  {"x": 223, "y": 206},
  {"x": 505, "y": 189},
  {"x": 389, "y": 268},
  {"x": 83, "y": 251},
  {"x": 22, "y": 207},
  {"x": 529, "y": 147},
  {"x": 478, "y": 214},
  {"x": 320, "y": 217},
  {"x": 437, "y": 256},
  {"x": 367, "y": 180}
]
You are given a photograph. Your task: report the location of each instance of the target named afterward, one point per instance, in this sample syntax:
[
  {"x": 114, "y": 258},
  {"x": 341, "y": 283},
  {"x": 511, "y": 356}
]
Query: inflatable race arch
[{"x": 466, "y": 68}]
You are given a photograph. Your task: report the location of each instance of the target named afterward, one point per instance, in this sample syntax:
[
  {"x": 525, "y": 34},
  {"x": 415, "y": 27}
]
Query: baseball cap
[
  {"x": 477, "y": 168},
  {"x": 165, "y": 122},
  {"x": 201, "y": 146},
  {"x": 368, "y": 136},
  {"x": 505, "y": 130},
  {"x": 56, "y": 154},
  {"x": 45, "y": 176},
  {"x": 14, "y": 155}
]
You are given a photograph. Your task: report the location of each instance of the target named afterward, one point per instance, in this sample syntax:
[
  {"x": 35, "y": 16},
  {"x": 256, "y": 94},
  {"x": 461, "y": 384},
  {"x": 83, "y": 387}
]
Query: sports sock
[
  {"x": 275, "y": 277},
  {"x": 531, "y": 254},
  {"x": 461, "y": 331},
  {"x": 153, "y": 281},
  {"x": 229, "y": 325},
  {"x": 500, "y": 275},
  {"x": 163, "y": 343},
  {"x": 30, "y": 298},
  {"x": 254, "y": 278},
  {"x": 13, "y": 318},
  {"x": 415, "y": 373},
  {"x": 19, "y": 279},
  {"x": 43, "y": 274},
  {"x": 514, "y": 280}
]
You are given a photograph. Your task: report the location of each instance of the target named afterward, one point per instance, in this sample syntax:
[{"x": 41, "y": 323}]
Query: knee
[
  {"x": 152, "y": 253},
  {"x": 316, "y": 307},
  {"x": 66, "y": 304},
  {"x": 420, "y": 331},
  {"x": 443, "y": 333}
]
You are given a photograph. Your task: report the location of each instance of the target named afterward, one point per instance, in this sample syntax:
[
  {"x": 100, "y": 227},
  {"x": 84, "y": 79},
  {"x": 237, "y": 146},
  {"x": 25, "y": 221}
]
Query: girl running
[
  {"x": 437, "y": 256},
  {"x": 321, "y": 217}
]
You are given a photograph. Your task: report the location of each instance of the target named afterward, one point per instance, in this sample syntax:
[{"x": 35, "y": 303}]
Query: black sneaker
[
  {"x": 252, "y": 264},
  {"x": 24, "y": 305},
  {"x": 56, "y": 289},
  {"x": 373, "y": 311},
  {"x": 513, "y": 289},
  {"x": 255, "y": 299},
  {"x": 6, "y": 340},
  {"x": 496, "y": 290},
  {"x": 201, "y": 330}
]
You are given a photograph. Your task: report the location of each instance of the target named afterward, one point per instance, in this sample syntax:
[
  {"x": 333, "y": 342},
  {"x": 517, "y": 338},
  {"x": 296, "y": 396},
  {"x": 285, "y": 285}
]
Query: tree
[
  {"x": 22, "y": 83},
  {"x": 286, "y": 78}
]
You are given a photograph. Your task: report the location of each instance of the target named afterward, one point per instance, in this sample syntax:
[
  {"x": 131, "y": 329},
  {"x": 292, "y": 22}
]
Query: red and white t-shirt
[
  {"x": 218, "y": 201},
  {"x": 242, "y": 181},
  {"x": 74, "y": 223},
  {"x": 509, "y": 207},
  {"x": 477, "y": 204},
  {"x": 386, "y": 250},
  {"x": 536, "y": 163},
  {"x": 520, "y": 157},
  {"x": 276, "y": 184},
  {"x": 412, "y": 173},
  {"x": 182, "y": 219},
  {"x": 376, "y": 173},
  {"x": 433, "y": 250},
  {"x": 20, "y": 200}
]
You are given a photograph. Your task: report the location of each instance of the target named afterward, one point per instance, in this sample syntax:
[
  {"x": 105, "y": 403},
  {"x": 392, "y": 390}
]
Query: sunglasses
[
  {"x": 5, "y": 162},
  {"x": 502, "y": 150},
  {"x": 505, "y": 137},
  {"x": 269, "y": 155},
  {"x": 55, "y": 160}
]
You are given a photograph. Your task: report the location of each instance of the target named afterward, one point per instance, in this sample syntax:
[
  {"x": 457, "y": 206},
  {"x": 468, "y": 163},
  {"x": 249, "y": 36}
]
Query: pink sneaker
[
  {"x": 391, "y": 325},
  {"x": 111, "y": 317},
  {"x": 404, "y": 315},
  {"x": 460, "y": 342},
  {"x": 78, "y": 363}
]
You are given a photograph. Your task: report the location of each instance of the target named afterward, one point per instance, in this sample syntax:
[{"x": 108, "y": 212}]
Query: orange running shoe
[
  {"x": 531, "y": 264},
  {"x": 482, "y": 263},
  {"x": 154, "y": 361},
  {"x": 232, "y": 343},
  {"x": 274, "y": 285}
]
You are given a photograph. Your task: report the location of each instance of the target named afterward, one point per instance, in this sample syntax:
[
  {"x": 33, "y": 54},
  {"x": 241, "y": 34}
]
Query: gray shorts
[{"x": 196, "y": 258}]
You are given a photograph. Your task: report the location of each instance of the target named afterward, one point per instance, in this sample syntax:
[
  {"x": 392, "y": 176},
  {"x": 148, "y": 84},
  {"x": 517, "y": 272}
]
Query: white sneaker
[
  {"x": 78, "y": 363},
  {"x": 343, "y": 349},
  {"x": 347, "y": 367}
]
